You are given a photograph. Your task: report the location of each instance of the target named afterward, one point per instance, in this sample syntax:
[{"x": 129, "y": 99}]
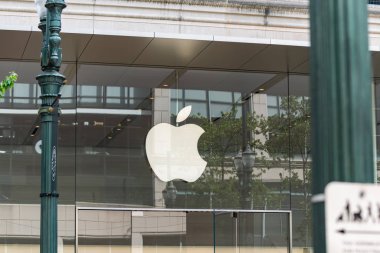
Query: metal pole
[
  {"x": 343, "y": 148},
  {"x": 50, "y": 82}
]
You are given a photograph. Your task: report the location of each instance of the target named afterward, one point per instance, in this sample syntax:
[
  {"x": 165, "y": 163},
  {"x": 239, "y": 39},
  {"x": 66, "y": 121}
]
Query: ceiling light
[
  {"x": 261, "y": 89},
  {"x": 165, "y": 85},
  {"x": 109, "y": 137}
]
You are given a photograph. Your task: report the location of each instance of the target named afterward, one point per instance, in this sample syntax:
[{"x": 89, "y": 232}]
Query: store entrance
[{"x": 175, "y": 230}]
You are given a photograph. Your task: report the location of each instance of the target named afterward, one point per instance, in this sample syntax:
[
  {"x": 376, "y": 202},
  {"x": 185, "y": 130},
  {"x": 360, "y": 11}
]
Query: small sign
[
  {"x": 352, "y": 218},
  {"x": 37, "y": 147}
]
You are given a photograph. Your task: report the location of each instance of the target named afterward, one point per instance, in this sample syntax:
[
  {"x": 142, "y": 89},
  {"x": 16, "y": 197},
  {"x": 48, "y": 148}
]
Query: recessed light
[
  {"x": 151, "y": 98},
  {"x": 261, "y": 89},
  {"x": 165, "y": 85},
  {"x": 109, "y": 137}
]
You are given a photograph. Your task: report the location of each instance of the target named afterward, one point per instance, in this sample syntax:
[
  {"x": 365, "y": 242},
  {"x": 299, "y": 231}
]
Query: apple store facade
[
  {"x": 251, "y": 100},
  {"x": 246, "y": 199}
]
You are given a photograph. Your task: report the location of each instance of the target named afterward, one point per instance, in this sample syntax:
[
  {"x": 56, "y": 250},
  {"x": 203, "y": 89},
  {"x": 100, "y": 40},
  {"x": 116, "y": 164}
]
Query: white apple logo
[{"x": 173, "y": 151}]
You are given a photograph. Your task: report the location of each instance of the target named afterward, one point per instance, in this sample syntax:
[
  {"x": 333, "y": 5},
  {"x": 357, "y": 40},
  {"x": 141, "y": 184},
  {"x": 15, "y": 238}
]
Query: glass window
[
  {"x": 221, "y": 96},
  {"x": 113, "y": 94},
  {"x": 102, "y": 151},
  {"x": 195, "y": 94},
  {"x": 67, "y": 94},
  {"x": 198, "y": 108},
  {"x": 21, "y": 93},
  {"x": 89, "y": 93}
]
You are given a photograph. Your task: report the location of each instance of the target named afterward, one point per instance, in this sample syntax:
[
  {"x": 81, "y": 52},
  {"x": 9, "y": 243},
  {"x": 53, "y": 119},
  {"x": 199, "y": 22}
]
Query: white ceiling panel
[
  {"x": 99, "y": 74},
  {"x": 297, "y": 57},
  {"x": 13, "y": 43},
  {"x": 114, "y": 49},
  {"x": 143, "y": 77},
  {"x": 33, "y": 48},
  {"x": 299, "y": 85},
  {"x": 121, "y": 75},
  {"x": 222, "y": 81},
  {"x": 279, "y": 89},
  {"x": 278, "y": 58},
  {"x": 304, "y": 68},
  {"x": 72, "y": 46},
  {"x": 171, "y": 52},
  {"x": 226, "y": 55}
]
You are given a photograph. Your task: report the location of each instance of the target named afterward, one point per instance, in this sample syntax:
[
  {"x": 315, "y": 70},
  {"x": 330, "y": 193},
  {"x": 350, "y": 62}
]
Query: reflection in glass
[
  {"x": 299, "y": 114},
  {"x": 102, "y": 148},
  {"x": 20, "y": 165},
  {"x": 90, "y": 94},
  {"x": 182, "y": 231}
]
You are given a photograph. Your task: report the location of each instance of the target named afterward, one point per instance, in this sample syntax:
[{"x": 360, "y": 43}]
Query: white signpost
[{"x": 352, "y": 218}]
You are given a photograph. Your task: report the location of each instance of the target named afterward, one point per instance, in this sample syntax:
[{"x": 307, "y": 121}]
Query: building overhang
[{"x": 257, "y": 36}]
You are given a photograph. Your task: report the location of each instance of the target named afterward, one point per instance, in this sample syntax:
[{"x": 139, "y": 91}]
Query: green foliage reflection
[{"x": 8, "y": 83}]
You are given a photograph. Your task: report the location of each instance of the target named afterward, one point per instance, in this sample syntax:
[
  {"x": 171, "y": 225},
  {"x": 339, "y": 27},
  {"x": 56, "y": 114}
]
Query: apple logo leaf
[{"x": 183, "y": 114}]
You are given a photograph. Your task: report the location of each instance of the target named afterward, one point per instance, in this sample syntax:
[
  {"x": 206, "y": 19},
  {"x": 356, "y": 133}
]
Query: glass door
[{"x": 243, "y": 232}]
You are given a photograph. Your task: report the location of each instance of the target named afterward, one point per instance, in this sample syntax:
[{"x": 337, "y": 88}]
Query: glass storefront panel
[
  {"x": 111, "y": 130},
  {"x": 251, "y": 232},
  {"x": 205, "y": 231},
  {"x": 300, "y": 157},
  {"x": 225, "y": 115},
  {"x": 107, "y": 112},
  {"x": 20, "y": 163}
]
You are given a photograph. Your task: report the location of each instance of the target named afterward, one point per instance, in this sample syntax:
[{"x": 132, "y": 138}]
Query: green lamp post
[
  {"x": 343, "y": 137},
  {"x": 50, "y": 82}
]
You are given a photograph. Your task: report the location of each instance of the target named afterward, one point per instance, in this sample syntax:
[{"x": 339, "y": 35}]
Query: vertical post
[
  {"x": 342, "y": 125},
  {"x": 50, "y": 82}
]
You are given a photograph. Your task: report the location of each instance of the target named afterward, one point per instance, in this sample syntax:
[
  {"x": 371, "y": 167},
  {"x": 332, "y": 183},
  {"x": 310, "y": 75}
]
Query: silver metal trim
[
  {"x": 290, "y": 232},
  {"x": 180, "y": 210},
  {"x": 76, "y": 229}
]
